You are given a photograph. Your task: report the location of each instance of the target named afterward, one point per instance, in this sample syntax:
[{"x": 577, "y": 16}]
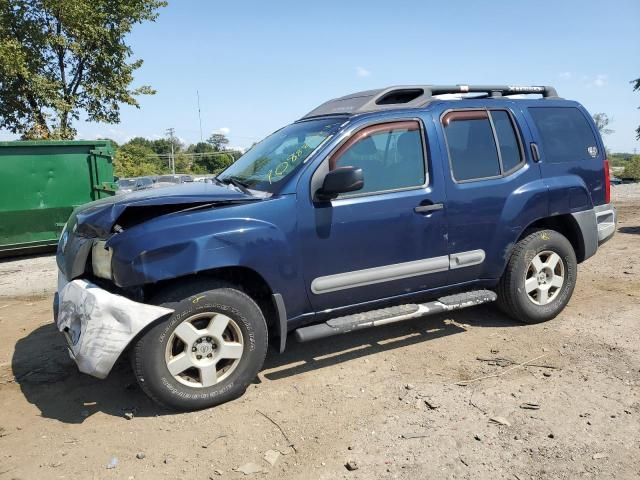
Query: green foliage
[
  {"x": 59, "y": 58},
  {"x": 619, "y": 159},
  {"x": 161, "y": 146},
  {"x": 141, "y": 156},
  {"x": 218, "y": 141},
  {"x": 136, "y": 160},
  {"x": 632, "y": 169}
]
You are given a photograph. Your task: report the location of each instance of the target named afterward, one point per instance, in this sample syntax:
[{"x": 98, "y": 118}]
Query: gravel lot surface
[{"x": 440, "y": 397}]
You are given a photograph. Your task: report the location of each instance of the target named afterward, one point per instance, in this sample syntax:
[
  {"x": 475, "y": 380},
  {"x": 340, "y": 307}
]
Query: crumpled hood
[{"x": 96, "y": 219}]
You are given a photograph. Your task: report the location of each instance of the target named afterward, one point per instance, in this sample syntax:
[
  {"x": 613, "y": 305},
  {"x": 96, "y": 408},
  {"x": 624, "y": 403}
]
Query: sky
[{"x": 260, "y": 65}]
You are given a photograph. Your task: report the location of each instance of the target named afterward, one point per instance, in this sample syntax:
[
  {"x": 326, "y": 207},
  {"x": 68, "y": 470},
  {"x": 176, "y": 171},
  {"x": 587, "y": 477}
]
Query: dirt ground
[{"x": 439, "y": 397}]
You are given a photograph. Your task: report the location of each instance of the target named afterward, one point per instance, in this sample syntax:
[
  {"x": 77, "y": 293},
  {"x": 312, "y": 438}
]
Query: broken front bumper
[{"x": 98, "y": 325}]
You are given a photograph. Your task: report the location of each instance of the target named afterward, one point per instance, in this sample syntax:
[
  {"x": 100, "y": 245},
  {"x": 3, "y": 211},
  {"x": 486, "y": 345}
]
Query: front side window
[
  {"x": 565, "y": 133},
  {"x": 276, "y": 157},
  {"x": 391, "y": 156},
  {"x": 481, "y": 143}
]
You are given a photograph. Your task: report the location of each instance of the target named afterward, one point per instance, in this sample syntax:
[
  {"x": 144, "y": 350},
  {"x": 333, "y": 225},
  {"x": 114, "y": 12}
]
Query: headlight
[{"x": 101, "y": 259}]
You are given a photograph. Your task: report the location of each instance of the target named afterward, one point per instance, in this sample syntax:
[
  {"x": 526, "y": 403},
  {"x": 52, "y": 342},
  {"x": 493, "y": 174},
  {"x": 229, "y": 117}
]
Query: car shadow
[
  {"x": 630, "y": 230},
  {"x": 49, "y": 379}
]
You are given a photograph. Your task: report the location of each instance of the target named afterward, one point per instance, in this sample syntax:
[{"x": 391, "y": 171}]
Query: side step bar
[{"x": 375, "y": 318}]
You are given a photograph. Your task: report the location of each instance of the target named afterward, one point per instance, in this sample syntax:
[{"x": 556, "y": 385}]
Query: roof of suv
[{"x": 416, "y": 96}]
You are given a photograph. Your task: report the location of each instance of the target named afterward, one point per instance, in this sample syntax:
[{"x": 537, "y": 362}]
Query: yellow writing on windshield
[{"x": 284, "y": 167}]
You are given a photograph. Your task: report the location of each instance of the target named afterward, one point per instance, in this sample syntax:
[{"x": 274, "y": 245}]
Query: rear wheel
[
  {"x": 540, "y": 277},
  {"x": 206, "y": 353}
]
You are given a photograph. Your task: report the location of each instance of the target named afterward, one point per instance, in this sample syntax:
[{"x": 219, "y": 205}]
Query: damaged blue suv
[{"x": 376, "y": 207}]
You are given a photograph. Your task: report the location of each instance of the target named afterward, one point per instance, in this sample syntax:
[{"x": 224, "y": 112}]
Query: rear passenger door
[{"x": 488, "y": 174}]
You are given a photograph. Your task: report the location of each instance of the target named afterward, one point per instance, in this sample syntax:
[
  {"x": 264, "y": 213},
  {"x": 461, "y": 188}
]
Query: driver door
[{"x": 385, "y": 240}]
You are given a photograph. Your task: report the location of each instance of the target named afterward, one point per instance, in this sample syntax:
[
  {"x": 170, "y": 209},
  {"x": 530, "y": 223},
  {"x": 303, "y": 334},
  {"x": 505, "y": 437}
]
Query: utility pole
[
  {"x": 199, "y": 115},
  {"x": 172, "y": 135}
]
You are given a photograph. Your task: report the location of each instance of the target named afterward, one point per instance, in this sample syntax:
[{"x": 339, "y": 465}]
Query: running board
[{"x": 375, "y": 318}]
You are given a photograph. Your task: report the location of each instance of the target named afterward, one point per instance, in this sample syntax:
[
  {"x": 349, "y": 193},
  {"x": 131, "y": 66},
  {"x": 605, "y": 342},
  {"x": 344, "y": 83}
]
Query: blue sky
[{"x": 259, "y": 65}]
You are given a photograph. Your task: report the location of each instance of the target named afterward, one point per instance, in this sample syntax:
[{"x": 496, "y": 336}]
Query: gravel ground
[
  {"x": 28, "y": 276},
  {"x": 442, "y": 397}
]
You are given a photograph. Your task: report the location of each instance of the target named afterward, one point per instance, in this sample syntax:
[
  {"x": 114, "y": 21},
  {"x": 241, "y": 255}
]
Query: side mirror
[{"x": 340, "y": 180}]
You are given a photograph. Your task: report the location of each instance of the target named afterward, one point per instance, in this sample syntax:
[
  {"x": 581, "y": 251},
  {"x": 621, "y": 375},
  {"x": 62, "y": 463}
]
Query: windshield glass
[
  {"x": 280, "y": 154},
  {"x": 126, "y": 183}
]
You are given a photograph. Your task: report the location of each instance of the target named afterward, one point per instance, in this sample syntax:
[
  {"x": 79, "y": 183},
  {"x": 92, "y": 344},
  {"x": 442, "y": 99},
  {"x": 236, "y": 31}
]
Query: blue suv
[{"x": 373, "y": 208}]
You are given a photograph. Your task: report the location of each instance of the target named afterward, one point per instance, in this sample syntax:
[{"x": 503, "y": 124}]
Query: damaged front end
[
  {"x": 99, "y": 325},
  {"x": 97, "y": 317}
]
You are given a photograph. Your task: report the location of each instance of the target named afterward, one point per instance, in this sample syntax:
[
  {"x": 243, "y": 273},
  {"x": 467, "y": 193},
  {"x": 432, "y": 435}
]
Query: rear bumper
[
  {"x": 597, "y": 225},
  {"x": 606, "y": 221},
  {"x": 99, "y": 325}
]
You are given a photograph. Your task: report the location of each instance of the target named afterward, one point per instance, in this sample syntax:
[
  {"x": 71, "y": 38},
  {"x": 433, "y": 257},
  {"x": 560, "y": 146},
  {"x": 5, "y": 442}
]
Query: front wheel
[
  {"x": 206, "y": 353},
  {"x": 540, "y": 277}
]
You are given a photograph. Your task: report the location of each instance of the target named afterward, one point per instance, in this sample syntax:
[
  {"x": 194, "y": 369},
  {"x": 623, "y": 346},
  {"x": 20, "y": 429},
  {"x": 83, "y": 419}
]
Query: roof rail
[{"x": 414, "y": 96}]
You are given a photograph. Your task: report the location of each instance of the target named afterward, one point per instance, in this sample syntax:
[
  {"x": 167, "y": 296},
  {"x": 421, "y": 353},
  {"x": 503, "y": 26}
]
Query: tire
[
  {"x": 220, "y": 338},
  {"x": 529, "y": 273}
]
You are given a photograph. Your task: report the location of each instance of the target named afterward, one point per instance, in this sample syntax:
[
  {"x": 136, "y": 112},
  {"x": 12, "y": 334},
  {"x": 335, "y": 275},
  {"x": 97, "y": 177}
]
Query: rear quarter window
[{"x": 565, "y": 134}]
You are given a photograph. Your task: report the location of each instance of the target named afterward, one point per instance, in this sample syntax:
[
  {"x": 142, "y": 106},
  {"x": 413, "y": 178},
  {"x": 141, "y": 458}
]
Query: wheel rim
[
  {"x": 544, "y": 278},
  {"x": 204, "y": 349}
]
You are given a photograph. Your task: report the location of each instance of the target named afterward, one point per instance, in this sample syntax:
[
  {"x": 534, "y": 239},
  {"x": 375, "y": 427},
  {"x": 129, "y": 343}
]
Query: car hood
[{"x": 97, "y": 219}]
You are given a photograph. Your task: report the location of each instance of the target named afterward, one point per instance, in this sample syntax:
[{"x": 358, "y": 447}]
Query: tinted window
[
  {"x": 565, "y": 133},
  {"x": 472, "y": 149},
  {"x": 390, "y": 158},
  {"x": 507, "y": 140}
]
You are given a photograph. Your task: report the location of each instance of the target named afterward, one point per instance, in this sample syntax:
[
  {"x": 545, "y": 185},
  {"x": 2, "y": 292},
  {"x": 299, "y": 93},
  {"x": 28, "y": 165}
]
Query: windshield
[
  {"x": 126, "y": 183},
  {"x": 280, "y": 154}
]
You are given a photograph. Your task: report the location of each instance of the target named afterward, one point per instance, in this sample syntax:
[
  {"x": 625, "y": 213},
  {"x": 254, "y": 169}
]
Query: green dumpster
[{"x": 41, "y": 182}]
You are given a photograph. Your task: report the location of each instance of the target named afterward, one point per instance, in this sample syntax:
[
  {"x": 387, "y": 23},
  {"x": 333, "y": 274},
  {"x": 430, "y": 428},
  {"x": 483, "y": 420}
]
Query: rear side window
[
  {"x": 565, "y": 134},
  {"x": 481, "y": 143},
  {"x": 507, "y": 140}
]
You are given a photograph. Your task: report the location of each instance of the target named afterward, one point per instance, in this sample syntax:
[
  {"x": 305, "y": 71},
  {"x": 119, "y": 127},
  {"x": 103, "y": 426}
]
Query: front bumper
[{"x": 99, "y": 325}]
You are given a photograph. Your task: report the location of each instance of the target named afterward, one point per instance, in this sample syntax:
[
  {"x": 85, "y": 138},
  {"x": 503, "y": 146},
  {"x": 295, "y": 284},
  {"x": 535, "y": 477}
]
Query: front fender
[{"x": 151, "y": 256}]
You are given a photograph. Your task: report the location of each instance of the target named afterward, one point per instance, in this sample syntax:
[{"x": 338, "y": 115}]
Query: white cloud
[
  {"x": 565, "y": 75},
  {"x": 362, "y": 72},
  {"x": 600, "y": 81},
  {"x": 223, "y": 130}
]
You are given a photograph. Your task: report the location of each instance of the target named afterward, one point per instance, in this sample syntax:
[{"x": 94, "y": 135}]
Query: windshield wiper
[{"x": 236, "y": 182}]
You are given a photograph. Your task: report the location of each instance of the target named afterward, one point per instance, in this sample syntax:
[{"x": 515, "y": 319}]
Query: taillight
[{"x": 607, "y": 182}]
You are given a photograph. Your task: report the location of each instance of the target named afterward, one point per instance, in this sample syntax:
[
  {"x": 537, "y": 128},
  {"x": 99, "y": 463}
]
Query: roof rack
[{"x": 415, "y": 96}]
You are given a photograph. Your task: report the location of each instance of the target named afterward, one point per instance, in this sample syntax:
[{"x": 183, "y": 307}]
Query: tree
[
  {"x": 636, "y": 87},
  {"x": 135, "y": 160},
  {"x": 218, "y": 141},
  {"x": 632, "y": 169},
  {"x": 60, "y": 58},
  {"x": 602, "y": 121}
]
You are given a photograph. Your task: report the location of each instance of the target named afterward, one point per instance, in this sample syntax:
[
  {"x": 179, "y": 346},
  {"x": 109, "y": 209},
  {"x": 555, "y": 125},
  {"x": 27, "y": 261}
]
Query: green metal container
[{"x": 41, "y": 182}]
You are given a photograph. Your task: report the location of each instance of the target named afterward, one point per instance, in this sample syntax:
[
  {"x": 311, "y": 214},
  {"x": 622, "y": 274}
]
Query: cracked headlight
[{"x": 101, "y": 259}]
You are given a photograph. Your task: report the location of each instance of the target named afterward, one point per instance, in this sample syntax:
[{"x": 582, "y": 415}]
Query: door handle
[
  {"x": 428, "y": 208},
  {"x": 535, "y": 152}
]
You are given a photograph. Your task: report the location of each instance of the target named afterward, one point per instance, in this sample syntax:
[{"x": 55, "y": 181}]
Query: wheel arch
[
  {"x": 564, "y": 224},
  {"x": 245, "y": 279}
]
